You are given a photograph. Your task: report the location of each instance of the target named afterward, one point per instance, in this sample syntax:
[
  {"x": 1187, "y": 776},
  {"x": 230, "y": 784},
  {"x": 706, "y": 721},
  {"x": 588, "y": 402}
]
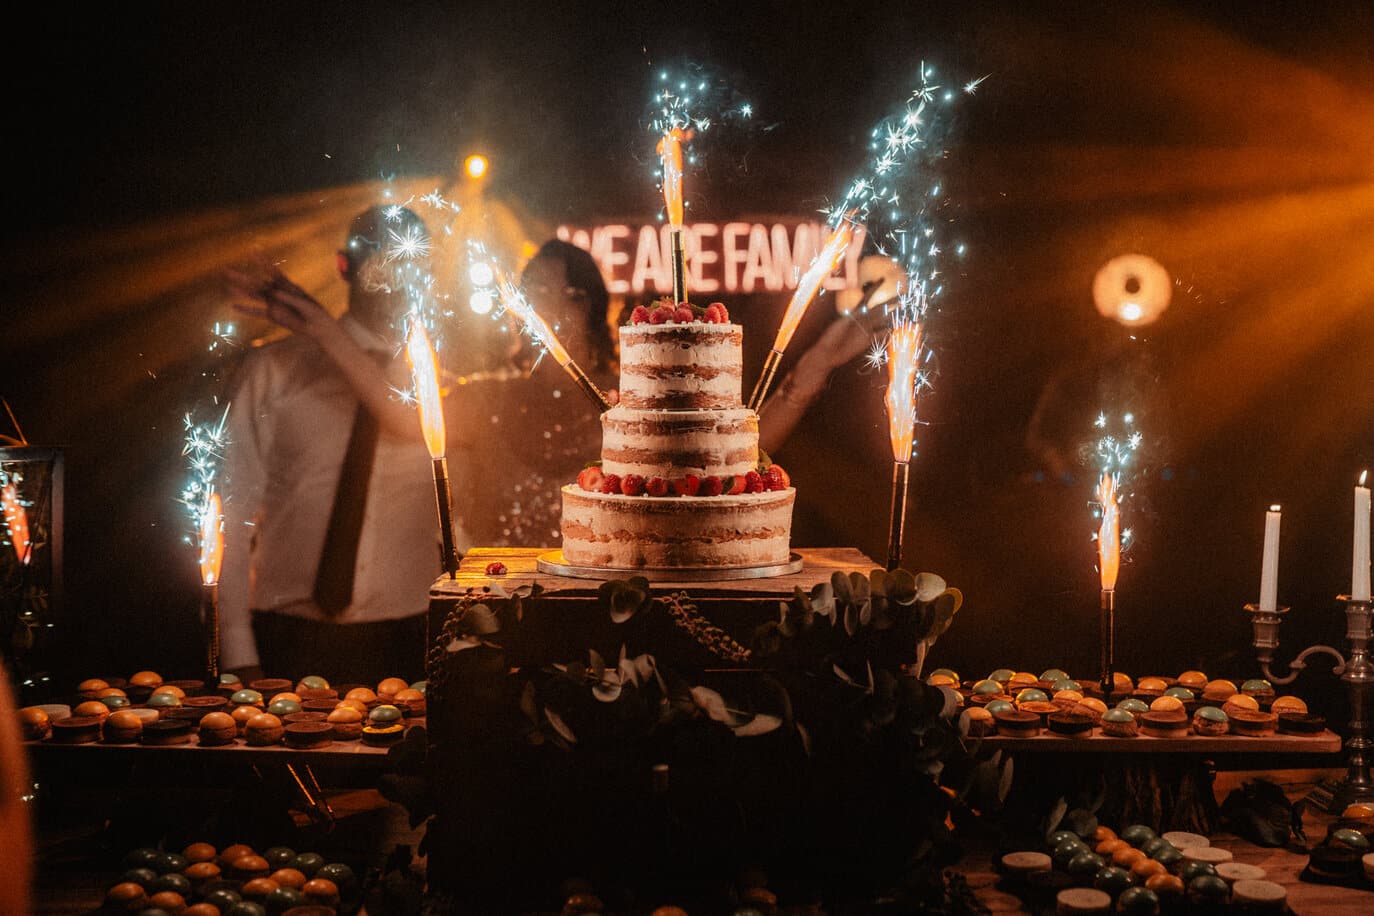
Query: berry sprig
[
  {"x": 769, "y": 477},
  {"x": 665, "y": 311}
]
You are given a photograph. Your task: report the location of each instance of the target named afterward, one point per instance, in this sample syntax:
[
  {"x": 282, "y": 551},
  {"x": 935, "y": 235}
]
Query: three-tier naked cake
[{"x": 680, "y": 484}]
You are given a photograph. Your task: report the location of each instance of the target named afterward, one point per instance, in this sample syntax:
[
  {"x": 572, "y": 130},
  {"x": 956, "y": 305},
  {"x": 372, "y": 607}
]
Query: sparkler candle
[
  {"x": 1109, "y": 564},
  {"x": 1359, "y": 572},
  {"x": 211, "y": 555},
  {"x": 670, "y": 154},
  {"x": 535, "y": 325},
  {"x": 424, "y": 370},
  {"x": 16, "y": 522},
  {"x": 822, "y": 266},
  {"x": 1269, "y": 570},
  {"x": 903, "y": 362}
]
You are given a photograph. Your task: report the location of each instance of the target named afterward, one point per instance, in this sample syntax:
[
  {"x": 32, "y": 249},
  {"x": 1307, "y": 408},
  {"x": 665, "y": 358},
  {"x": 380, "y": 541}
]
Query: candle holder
[{"x": 1358, "y": 674}]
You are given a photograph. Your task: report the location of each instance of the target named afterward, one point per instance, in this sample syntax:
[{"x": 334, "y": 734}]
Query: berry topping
[
  {"x": 610, "y": 483},
  {"x": 684, "y": 314},
  {"x": 711, "y": 486},
  {"x": 632, "y": 485},
  {"x": 724, "y": 312},
  {"x": 776, "y": 478},
  {"x": 715, "y": 314},
  {"x": 496, "y": 569},
  {"x": 753, "y": 483},
  {"x": 687, "y": 486},
  {"x": 656, "y": 486},
  {"x": 661, "y": 315},
  {"x": 640, "y": 315},
  {"x": 613, "y": 396},
  {"x": 589, "y": 479},
  {"x": 734, "y": 486}
]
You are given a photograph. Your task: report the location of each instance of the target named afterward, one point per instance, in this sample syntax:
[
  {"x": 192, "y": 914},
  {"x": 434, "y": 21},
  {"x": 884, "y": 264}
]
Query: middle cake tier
[{"x": 673, "y": 443}]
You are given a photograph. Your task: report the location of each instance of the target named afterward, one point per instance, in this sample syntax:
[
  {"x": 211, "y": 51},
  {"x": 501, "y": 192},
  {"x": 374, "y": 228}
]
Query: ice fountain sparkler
[
  {"x": 424, "y": 370},
  {"x": 211, "y": 556},
  {"x": 905, "y": 349},
  {"x": 1114, "y": 457},
  {"x": 514, "y": 301},
  {"x": 822, "y": 266},
  {"x": 670, "y": 154}
]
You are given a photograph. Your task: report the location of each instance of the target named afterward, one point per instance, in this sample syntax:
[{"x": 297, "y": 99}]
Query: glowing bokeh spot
[
  {"x": 481, "y": 274},
  {"x": 475, "y": 166},
  {"x": 480, "y": 302},
  {"x": 1133, "y": 289}
]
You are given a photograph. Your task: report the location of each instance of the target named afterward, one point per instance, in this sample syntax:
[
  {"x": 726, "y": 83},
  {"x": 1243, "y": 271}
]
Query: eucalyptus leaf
[
  {"x": 711, "y": 703},
  {"x": 851, "y": 619},
  {"x": 902, "y": 587},
  {"x": 928, "y": 586},
  {"x": 865, "y": 613},
  {"x": 557, "y": 724},
  {"x": 761, "y": 724},
  {"x": 1061, "y": 807},
  {"x": 1004, "y": 786},
  {"x": 839, "y": 584},
  {"x": 865, "y": 587},
  {"x": 527, "y": 704},
  {"x": 480, "y": 620},
  {"x": 840, "y": 673},
  {"x": 463, "y": 643}
]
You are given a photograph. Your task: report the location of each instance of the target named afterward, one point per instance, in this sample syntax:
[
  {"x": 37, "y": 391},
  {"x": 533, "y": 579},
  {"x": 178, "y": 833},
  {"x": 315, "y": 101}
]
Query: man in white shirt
[{"x": 331, "y": 540}]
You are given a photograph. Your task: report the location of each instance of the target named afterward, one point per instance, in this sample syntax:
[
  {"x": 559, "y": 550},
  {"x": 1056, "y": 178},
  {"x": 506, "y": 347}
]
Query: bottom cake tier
[{"x": 633, "y": 532}]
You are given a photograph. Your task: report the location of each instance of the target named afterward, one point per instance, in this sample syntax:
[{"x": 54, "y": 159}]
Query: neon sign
[{"x": 721, "y": 257}]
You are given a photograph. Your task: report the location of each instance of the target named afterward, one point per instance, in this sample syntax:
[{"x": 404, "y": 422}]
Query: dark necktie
[{"x": 338, "y": 560}]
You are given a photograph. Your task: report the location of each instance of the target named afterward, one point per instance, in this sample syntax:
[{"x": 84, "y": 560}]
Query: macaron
[
  {"x": 1031, "y": 695},
  {"x": 148, "y": 679},
  {"x": 1021, "y": 680},
  {"x": 362, "y": 695},
  {"x": 1240, "y": 703},
  {"x": 35, "y": 723},
  {"x": 1122, "y": 683},
  {"x": 1257, "y": 687},
  {"x": 92, "y": 708},
  {"x": 1283, "y": 705},
  {"x": 1211, "y": 721},
  {"x": 391, "y": 686},
  {"x": 977, "y": 721},
  {"x": 1001, "y": 704},
  {"x": 1054, "y": 674},
  {"x": 114, "y": 701},
  {"x": 1166, "y": 704},
  {"x": 321, "y": 892},
  {"x": 217, "y": 729},
  {"x": 987, "y": 688},
  {"x": 1193, "y": 680},
  {"x": 1118, "y": 723},
  {"x": 284, "y": 706},
  {"x": 91, "y": 687},
  {"x": 246, "y": 697},
  {"x": 1001, "y": 675},
  {"x": 122, "y": 727},
  {"x": 412, "y": 702},
  {"x": 312, "y": 682},
  {"x": 1183, "y": 694},
  {"x": 173, "y": 689},
  {"x": 1133, "y": 706},
  {"x": 241, "y": 714},
  {"x": 1220, "y": 690},
  {"x": 161, "y": 701},
  {"x": 1152, "y": 686},
  {"x": 263, "y": 729}
]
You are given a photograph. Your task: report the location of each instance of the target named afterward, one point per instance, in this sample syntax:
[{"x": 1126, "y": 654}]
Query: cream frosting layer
[
  {"x": 677, "y": 366},
  {"x": 673, "y": 443},
  {"x": 634, "y": 532}
]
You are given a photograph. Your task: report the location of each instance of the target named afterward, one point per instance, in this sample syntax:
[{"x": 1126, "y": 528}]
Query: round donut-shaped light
[{"x": 1133, "y": 289}]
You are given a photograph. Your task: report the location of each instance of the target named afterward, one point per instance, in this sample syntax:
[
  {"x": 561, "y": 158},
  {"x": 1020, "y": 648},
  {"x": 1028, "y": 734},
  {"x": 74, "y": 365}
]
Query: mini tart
[
  {"x": 1018, "y": 723},
  {"x": 165, "y": 732},
  {"x": 1041, "y": 708},
  {"x": 77, "y": 730},
  {"x": 1301, "y": 724},
  {"x": 1211, "y": 722},
  {"x": 1023, "y": 863},
  {"x": 309, "y": 694},
  {"x": 1207, "y": 855},
  {"x": 122, "y": 727},
  {"x": 383, "y": 734},
  {"x": 325, "y": 705},
  {"x": 309, "y": 735},
  {"x": 263, "y": 729},
  {"x": 1118, "y": 723},
  {"x": 1334, "y": 861},
  {"x": 1263, "y": 896},
  {"x": 305, "y": 717},
  {"x": 206, "y": 704},
  {"x": 1231, "y": 872},
  {"x": 217, "y": 729},
  {"x": 1071, "y": 725},
  {"x": 1254, "y": 724},
  {"x": 1164, "y": 724},
  {"x": 1075, "y": 900},
  {"x": 268, "y": 686},
  {"x": 1184, "y": 840}
]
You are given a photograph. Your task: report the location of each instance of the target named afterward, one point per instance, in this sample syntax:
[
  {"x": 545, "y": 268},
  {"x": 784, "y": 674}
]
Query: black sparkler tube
[
  {"x": 1108, "y": 622},
  {"x": 770, "y": 369},
  {"x": 901, "y": 477},
  {"x": 209, "y": 612},
  {"x": 679, "y": 266},
  {"x": 442, "y": 495},
  {"x": 587, "y": 385}
]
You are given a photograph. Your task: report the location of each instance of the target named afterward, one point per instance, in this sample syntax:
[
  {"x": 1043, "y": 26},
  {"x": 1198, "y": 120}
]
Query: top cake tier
[{"x": 681, "y": 366}]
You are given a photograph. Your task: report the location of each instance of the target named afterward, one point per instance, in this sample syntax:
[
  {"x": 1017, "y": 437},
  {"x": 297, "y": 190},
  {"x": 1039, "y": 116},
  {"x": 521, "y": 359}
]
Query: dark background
[{"x": 154, "y": 145}]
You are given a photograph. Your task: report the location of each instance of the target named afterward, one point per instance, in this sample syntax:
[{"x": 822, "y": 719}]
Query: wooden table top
[
  {"x": 818, "y": 565},
  {"x": 1328, "y": 742}
]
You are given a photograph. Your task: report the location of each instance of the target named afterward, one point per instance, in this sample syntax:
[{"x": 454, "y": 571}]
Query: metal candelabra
[{"x": 1358, "y": 673}]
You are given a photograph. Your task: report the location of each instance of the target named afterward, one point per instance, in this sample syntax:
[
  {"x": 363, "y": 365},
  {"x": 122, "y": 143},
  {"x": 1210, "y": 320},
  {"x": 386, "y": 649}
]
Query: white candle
[
  {"x": 1269, "y": 573},
  {"x": 1359, "y": 573}
]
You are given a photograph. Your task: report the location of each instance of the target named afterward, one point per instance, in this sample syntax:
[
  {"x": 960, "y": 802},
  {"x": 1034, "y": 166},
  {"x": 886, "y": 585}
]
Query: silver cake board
[{"x": 553, "y": 563}]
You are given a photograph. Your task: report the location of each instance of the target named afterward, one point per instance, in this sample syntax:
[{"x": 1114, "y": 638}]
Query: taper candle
[{"x": 1269, "y": 570}]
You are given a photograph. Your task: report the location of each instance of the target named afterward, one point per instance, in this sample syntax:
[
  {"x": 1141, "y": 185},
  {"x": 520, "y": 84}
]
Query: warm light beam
[
  {"x": 1109, "y": 532},
  {"x": 211, "y": 539},
  {"x": 424, "y": 371}
]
